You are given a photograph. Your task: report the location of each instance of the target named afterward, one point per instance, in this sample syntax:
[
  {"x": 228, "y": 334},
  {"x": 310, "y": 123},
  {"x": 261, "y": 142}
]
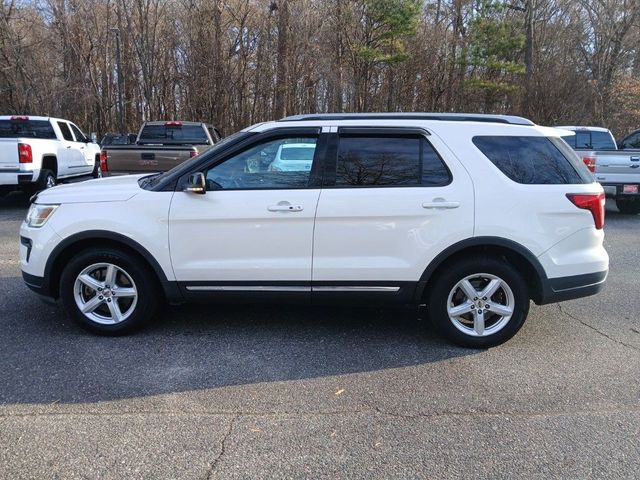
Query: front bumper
[
  {"x": 568, "y": 288},
  {"x": 39, "y": 286}
]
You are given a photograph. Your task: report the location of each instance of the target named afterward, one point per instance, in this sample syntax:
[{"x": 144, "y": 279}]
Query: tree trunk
[{"x": 282, "y": 69}]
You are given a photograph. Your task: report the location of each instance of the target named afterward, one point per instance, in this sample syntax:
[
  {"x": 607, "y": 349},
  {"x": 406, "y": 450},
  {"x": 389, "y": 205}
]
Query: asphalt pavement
[{"x": 212, "y": 391}]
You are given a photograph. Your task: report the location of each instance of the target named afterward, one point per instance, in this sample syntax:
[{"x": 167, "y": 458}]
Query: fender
[
  {"x": 170, "y": 288},
  {"x": 484, "y": 241}
]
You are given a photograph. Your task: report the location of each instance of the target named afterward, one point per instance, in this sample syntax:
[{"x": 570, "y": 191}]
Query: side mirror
[
  {"x": 196, "y": 183},
  {"x": 94, "y": 137}
]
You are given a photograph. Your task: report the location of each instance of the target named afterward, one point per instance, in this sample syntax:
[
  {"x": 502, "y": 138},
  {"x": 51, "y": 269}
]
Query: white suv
[{"x": 471, "y": 216}]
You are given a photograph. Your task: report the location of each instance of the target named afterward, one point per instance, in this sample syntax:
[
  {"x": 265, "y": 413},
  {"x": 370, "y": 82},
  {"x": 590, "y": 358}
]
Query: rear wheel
[
  {"x": 479, "y": 302},
  {"x": 108, "y": 291},
  {"x": 97, "y": 172},
  {"x": 628, "y": 205},
  {"x": 47, "y": 180}
]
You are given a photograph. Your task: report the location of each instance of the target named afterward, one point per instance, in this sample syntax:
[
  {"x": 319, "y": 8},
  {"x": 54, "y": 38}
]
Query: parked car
[
  {"x": 37, "y": 152},
  {"x": 293, "y": 157},
  {"x": 118, "y": 139},
  {"x": 159, "y": 146},
  {"x": 631, "y": 141},
  {"x": 617, "y": 170},
  {"x": 472, "y": 216}
]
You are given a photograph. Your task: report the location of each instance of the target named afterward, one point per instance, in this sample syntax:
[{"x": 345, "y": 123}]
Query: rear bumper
[
  {"x": 613, "y": 190},
  {"x": 18, "y": 179},
  {"x": 577, "y": 286}
]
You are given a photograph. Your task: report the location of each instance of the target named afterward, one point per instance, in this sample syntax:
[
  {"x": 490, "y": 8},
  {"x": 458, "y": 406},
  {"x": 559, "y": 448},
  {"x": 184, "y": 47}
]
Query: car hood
[{"x": 112, "y": 189}]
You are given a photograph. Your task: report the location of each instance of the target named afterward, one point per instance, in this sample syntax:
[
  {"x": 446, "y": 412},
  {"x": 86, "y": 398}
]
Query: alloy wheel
[
  {"x": 105, "y": 293},
  {"x": 480, "y": 305}
]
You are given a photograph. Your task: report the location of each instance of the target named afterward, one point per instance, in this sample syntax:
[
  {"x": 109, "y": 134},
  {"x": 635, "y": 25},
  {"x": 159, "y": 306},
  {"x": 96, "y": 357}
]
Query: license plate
[{"x": 630, "y": 189}]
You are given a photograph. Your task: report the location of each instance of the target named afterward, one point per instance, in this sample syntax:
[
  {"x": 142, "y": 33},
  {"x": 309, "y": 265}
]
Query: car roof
[
  {"x": 33, "y": 117},
  {"x": 448, "y": 127},
  {"x": 455, "y": 117}
]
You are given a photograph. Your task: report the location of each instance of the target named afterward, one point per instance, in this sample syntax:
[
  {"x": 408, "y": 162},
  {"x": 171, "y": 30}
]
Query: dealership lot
[{"x": 271, "y": 392}]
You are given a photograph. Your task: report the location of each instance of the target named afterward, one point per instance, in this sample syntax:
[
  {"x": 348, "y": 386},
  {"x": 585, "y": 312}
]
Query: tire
[
  {"x": 135, "y": 299},
  {"x": 47, "y": 180},
  {"x": 629, "y": 206},
  {"x": 97, "y": 172},
  {"x": 466, "y": 329}
]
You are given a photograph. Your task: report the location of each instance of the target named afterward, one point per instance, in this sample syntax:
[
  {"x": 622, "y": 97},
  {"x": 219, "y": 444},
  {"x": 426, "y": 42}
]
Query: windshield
[
  {"x": 115, "y": 140},
  {"x": 153, "y": 180}
]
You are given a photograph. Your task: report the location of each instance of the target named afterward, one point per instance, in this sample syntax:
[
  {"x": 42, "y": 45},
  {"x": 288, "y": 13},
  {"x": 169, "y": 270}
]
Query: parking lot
[{"x": 281, "y": 392}]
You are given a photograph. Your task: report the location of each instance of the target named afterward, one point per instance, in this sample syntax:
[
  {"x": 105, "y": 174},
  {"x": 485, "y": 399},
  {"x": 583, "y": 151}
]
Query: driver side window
[{"x": 277, "y": 164}]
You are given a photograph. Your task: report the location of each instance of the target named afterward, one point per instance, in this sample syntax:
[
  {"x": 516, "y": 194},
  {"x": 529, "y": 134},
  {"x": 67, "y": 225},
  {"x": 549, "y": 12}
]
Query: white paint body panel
[
  {"x": 368, "y": 234},
  {"x": 115, "y": 205},
  {"x": 231, "y": 235},
  {"x": 385, "y": 233}
]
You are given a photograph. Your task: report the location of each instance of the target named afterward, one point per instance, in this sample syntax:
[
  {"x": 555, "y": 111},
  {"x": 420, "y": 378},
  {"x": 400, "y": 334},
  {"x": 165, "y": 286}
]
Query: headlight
[{"x": 39, "y": 214}]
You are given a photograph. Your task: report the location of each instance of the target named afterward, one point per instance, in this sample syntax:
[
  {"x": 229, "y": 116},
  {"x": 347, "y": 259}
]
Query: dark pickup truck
[{"x": 159, "y": 146}]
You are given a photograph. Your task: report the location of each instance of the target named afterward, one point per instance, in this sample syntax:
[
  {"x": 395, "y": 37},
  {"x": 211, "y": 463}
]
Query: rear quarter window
[{"x": 534, "y": 160}]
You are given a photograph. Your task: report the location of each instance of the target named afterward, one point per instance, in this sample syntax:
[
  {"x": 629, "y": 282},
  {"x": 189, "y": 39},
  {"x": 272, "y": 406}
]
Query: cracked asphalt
[{"x": 282, "y": 392}]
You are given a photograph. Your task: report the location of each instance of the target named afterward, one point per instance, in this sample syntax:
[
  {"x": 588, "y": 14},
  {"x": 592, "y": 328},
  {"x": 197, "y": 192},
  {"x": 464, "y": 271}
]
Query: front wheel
[
  {"x": 108, "y": 291},
  {"x": 478, "y": 302},
  {"x": 629, "y": 206}
]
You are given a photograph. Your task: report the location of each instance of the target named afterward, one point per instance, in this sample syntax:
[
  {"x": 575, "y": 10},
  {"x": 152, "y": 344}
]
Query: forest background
[{"x": 238, "y": 62}]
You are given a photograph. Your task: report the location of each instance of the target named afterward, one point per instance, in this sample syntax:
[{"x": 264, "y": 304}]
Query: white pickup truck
[
  {"x": 37, "y": 152},
  {"x": 618, "y": 171}
]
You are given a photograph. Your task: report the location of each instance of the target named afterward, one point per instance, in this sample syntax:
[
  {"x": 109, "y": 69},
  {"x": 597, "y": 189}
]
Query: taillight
[
  {"x": 594, "y": 202},
  {"x": 193, "y": 153},
  {"x": 173, "y": 124},
  {"x": 103, "y": 161},
  {"x": 19, "y": 118},
  {"x": 25, "y": 155},
  {"x": 590, "y": 162}
]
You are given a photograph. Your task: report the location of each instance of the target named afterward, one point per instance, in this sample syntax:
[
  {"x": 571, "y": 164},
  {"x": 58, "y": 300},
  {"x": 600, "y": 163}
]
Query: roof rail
[{"x": 447, "y": 117}]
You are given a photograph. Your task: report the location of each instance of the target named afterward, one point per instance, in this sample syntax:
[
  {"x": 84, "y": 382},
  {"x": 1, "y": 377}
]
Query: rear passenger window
[
  {"x": 388, "y": 161},
  {"x": 66, "y": 133},
  {"x": 533, "y": 160}
]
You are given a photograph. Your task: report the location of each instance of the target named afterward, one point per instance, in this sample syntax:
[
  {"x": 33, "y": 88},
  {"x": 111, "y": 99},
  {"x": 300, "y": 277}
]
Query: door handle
[
  {"x": 69, "y": 146},
  {"x": 285, "y": 207},
  {"x": 440, "y": 203}
]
